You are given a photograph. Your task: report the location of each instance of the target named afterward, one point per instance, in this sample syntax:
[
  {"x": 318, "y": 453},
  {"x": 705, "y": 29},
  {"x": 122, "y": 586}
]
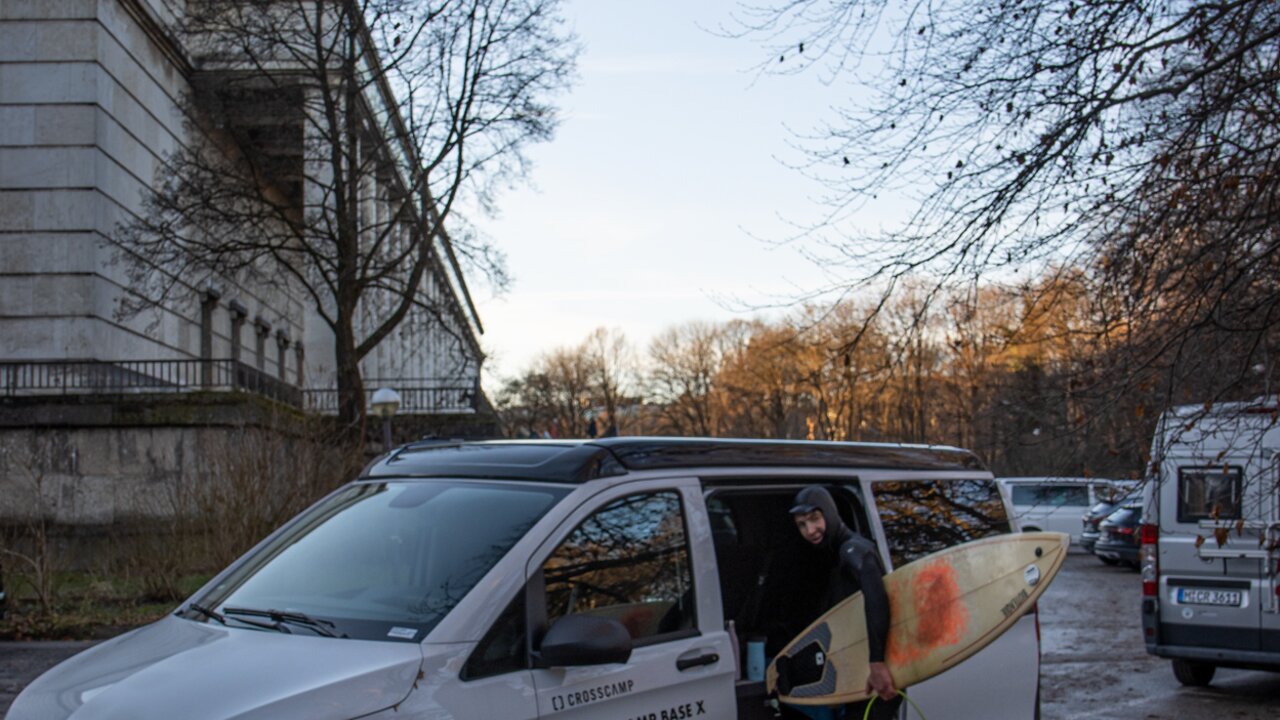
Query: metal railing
[
  {"x": 418, "y": 396},
  {"x": 89, "y": 377},
  {"x": 121, "y": 377}
]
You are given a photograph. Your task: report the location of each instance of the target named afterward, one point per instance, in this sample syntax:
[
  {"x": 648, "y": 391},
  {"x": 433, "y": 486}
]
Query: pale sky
[{"x": 642, "y": 210}]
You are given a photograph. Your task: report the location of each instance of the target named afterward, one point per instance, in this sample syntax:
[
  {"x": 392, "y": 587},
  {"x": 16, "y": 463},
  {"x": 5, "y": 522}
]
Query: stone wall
[
  {"x": 103, "y": 461},
  {"x": 81, "y": 461}
]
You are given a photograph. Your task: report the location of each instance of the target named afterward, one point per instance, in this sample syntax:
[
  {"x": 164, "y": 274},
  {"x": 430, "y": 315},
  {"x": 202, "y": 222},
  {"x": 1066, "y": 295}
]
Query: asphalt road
[
  {"x": 1095, "y": 665},
  {"x": 21, "y": 662}
]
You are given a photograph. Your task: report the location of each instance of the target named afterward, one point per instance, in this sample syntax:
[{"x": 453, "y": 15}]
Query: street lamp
[{"x": 384, "y": 404}]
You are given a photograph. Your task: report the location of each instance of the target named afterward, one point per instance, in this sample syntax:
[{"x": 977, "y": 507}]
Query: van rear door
[{"x": 1211, "y": 561}]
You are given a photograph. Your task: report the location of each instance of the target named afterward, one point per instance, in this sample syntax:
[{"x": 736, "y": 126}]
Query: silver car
[{"x": 620, "y": 578}]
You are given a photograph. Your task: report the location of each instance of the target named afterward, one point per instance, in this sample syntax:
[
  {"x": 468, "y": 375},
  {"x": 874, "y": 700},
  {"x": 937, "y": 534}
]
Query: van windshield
[
  {"x": 381, "y": 561},
  {"x": 921, "y": 517}
]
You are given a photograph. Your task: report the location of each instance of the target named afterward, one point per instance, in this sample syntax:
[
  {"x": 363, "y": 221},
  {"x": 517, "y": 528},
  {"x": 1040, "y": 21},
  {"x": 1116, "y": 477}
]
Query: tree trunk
[
  {"x": 351, "y": 410},
  {"x": 346, "y": 173}
]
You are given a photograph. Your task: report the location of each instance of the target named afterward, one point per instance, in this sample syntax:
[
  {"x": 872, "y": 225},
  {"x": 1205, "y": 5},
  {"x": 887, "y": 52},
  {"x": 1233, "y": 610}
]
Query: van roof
[
  {"x": 578, "y": 461},
  {"x": 1236, "y": 428},
  {"x": 1263, "y": 405},
  {"x": 1060, "y": 480}
]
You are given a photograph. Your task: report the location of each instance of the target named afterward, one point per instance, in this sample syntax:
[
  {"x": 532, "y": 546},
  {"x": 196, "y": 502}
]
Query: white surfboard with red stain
[{"x": 943, "y": 608}]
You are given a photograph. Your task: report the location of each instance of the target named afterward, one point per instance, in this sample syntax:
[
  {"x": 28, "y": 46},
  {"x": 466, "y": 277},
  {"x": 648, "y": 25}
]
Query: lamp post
[{"x": 384, "y": 404}]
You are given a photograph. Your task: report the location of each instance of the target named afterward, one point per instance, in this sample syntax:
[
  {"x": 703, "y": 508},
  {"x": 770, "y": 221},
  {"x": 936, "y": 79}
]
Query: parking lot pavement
[
  {"x": 1095, "y": 663},
  {"x": 21, "y": 662}
]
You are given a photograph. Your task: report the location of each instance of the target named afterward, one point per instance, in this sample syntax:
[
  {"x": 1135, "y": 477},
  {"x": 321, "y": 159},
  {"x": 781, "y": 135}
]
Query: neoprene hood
[{"x": 816, "y": 497}]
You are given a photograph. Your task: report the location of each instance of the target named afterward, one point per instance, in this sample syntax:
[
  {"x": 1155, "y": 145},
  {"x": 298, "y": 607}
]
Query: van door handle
[{"x": 695, "y": 658}]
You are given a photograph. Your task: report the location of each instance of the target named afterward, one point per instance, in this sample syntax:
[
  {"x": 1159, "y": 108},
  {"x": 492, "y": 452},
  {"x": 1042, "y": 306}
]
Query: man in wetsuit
[{"x": 854, "y": 566}]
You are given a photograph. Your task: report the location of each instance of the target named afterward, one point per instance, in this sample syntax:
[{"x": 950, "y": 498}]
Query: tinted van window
[
  {"x": 386, "y": 561},
  {"x": 629, "y": 562},
  {"x": 502, "y": 650},
  {"x": 1050, "y": 496},
  {"x": 924, "y": 516},
  {"x": 1209, "y": 493}
]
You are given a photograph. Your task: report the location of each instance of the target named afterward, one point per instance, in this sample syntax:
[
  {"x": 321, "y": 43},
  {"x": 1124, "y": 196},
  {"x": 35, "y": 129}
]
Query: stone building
[{"x": 90, "y": 102}]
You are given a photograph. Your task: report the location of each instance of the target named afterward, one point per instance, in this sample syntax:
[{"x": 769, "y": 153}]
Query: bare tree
[
  {"x": 1134, "y": 140},
  {"x": 763, "y": 381},
  {"x": 612, "y": 369},
  {"x": 996, "y": 369},
  {"x": 27, "y": 463},
  {"x": 552, "y": 396},
  {"x": 331, "y": 143},
  {"x": 558, "y": 393},
  {"x": 684, "y": 363}
]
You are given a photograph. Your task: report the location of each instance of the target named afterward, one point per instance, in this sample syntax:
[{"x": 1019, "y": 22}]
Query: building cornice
[
  {"x": 388, "y": 98},
  {"x": 159, "y": 33}
]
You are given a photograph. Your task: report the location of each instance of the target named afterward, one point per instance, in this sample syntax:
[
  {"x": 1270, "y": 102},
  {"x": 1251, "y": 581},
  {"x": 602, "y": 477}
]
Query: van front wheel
[{"x": 1193, "y": 674}]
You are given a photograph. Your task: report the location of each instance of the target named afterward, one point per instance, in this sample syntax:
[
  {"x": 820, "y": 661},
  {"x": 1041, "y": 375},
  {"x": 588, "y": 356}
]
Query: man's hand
[{"x": 881, "y": 682}]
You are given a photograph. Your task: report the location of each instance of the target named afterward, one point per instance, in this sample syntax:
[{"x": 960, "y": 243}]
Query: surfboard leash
[{"x": 866, "y": 714}]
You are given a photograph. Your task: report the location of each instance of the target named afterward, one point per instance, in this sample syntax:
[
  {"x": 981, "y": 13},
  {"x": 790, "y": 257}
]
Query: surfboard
[{"x": 944, "y": 608}]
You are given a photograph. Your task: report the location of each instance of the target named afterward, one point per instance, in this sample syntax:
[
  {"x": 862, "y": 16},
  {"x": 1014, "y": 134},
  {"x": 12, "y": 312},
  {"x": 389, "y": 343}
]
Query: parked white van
[
  {"x": 519, "y": 580},
  {"x": 1057, "y": 504},
  {"x": 1211, "y": 539}
]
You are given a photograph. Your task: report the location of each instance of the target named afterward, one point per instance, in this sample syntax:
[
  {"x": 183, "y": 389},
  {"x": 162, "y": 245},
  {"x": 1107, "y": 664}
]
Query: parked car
[
  {"x": 1057, "y": 503},
  {"x": 1120, "y": 536},
  {"x": 1210, "y": 554},
  {"x": 1089, "y": 531},
  {"x": 522, "y": 580},
  {"x": 1124, "y": 492}
]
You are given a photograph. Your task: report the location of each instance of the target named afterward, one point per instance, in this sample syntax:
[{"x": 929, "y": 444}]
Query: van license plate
[{"x": 1195, "y": 596}]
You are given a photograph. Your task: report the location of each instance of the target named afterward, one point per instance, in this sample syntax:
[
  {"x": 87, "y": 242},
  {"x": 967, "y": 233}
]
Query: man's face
[{"x": 812, "y": 526}]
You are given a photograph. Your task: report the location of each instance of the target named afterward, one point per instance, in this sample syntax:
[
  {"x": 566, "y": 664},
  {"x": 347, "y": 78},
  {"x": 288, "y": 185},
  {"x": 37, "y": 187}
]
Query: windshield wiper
[
  {"x": 316, "y": 625},
  {"x": 215, "y": 615},
  {"x": 211, "y": 614}
]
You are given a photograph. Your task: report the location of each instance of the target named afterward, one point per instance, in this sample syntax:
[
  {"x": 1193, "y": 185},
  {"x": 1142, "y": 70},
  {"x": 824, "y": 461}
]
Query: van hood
[{"x": 179, "y": 668}]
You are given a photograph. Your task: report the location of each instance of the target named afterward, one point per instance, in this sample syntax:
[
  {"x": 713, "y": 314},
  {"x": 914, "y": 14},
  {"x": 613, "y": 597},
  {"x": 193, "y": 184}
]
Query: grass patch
[{"x": 88, "y": 607}]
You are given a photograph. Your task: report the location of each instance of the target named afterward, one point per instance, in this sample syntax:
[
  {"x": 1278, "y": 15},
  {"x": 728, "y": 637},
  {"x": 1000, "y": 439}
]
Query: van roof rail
[
  {"x": 1263, "y": 405},
  {"x": 577, "y": 461}
]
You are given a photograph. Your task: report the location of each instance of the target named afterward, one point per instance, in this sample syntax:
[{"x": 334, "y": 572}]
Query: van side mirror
[{"x": 576, "y": 640}]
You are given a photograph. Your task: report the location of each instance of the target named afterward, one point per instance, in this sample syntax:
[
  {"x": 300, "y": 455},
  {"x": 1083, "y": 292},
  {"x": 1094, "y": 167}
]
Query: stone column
[
  {"x": 302, "y": 363},
  {"x": 238, "y": 315},
  {"x": 282, "y": 344},
  {"x": 263, "y": 329},
  {"x": 208, "y": 303}
]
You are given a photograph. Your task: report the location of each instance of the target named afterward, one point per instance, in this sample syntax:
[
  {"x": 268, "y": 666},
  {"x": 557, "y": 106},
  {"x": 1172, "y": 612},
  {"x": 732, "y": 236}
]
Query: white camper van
[
  {"x": 1211, "y": 539},
  {"x": 620, "y": 578}
]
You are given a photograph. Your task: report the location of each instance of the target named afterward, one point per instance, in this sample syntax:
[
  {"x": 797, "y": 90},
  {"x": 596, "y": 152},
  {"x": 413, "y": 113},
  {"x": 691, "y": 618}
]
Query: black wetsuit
[{"x": 855, "y": 567}]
